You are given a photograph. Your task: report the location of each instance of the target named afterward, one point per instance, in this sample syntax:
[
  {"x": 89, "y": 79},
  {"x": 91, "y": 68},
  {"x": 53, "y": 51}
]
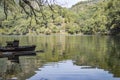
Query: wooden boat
[
  {"x": 14, "y": 46},
  {"x": 20, "y": 48}
]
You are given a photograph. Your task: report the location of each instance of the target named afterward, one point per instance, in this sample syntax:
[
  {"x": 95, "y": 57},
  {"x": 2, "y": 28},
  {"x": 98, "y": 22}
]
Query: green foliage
[
  {"x": 88, "y": 17},
  {"x": 47, "y": 22},
  {"x": 72, "y": 28},
  {"x": 114, "y": 16},
  {"x": 98, "y": 16}
]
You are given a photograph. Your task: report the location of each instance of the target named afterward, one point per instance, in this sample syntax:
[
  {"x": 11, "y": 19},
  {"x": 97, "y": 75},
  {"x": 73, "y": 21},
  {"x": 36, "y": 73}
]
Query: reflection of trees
[
  {"x": 88, "y": 49},
  {"x": 97, "y": 51},
  {"x": 2, "y": 67},
  {"x": 13, "y": 69},
  {"x": 113, "y": 59},
  {"x": 54, "y": 47},
  {"x": 9, "y": 70},
  {"x": 22, "y": 70}
]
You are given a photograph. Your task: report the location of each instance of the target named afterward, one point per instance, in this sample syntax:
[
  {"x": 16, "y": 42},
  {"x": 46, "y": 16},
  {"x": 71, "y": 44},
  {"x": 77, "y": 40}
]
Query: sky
[{"x": 67, "y": 3}]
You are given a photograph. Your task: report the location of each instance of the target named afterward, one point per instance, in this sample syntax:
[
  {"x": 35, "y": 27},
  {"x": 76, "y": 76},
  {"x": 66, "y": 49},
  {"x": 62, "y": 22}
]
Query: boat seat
[
  {"x": 14, "y": 43},
  {"x": 9, "y": 44}
]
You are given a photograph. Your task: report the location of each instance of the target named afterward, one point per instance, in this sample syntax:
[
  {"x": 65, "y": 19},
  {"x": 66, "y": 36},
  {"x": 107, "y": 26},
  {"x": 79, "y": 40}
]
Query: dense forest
[
  {"x": 98, "y": 16},
  {"x": 86, "y": 17}
]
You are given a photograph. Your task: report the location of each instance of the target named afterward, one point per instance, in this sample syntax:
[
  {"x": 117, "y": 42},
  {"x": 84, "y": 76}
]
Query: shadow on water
[{"x": 14, "y": 56}]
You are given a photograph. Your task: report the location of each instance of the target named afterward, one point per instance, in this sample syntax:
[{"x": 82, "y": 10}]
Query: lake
[{"x": 64, "y": 58}]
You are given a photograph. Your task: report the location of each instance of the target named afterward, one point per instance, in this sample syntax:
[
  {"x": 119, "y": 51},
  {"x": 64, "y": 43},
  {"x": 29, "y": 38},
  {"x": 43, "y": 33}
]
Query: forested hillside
[
  {"x": 46, "y": 22},
  {"x": 86, "y": 17},
  {"x": 98, "y": 16}
]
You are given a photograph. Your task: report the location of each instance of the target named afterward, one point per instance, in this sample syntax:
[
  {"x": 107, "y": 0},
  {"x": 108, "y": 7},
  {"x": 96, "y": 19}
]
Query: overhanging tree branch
[{"x": 23, "y": 3}]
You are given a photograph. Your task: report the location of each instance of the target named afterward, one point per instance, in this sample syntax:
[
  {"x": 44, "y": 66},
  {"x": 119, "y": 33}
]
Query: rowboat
[
  {"x": 20, "y": 48},
  {"x": 14, "y": 46}
]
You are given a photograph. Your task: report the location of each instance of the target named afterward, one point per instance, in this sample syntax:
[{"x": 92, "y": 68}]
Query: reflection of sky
[
  {"x": 66, "y": 70},
  {"x": 67, "y": 3}
]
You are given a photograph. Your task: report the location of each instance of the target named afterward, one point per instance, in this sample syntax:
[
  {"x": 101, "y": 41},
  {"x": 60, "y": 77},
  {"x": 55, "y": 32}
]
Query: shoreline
[{"x": 57, "y": 34}]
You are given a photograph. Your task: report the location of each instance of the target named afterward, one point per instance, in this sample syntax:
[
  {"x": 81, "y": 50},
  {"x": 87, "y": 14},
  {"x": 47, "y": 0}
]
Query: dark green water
[{"x": 65, "y": 58}]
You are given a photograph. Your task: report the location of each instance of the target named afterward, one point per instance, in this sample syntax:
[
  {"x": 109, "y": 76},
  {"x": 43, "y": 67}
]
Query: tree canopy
[
  {"x": 27, "y": 6},
  {"x": 44, "y": 16},
  {"x": 99, "y": 16}
]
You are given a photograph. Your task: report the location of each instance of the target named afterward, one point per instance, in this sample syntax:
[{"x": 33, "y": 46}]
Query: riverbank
[{"x": 60, "y": 33}]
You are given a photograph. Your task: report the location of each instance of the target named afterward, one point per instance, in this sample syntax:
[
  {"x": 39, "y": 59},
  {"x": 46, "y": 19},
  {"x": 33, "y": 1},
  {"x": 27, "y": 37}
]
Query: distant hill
[
  {"x": 83, "y": 5},
  {"x": 98, "y": 16}
]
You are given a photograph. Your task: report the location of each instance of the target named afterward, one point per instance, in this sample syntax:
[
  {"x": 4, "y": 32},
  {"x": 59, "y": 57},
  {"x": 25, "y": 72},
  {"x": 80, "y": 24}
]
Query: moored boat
[
  {"x": 20, "y": 48},
  {"x": 14, "y": 46}
]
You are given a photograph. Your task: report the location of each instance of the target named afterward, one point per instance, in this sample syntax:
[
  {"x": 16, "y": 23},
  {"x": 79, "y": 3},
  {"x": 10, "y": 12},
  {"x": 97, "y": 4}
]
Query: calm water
[{"x": 65, "y": 58}]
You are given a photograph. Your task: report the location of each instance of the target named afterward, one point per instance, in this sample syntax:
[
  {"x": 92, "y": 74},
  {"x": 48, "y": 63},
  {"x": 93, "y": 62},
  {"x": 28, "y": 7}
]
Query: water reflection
[
  {"x": 14, "y": 56},
  {"x": 12, "y": 67},
  {"x": 94, "y": 56},
  {"x": 10, "y": 70},
  {"x": 66, "y": 70}
]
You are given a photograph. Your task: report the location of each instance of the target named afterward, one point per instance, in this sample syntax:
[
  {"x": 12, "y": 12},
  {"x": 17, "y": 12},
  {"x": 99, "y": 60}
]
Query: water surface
[
  {"x": 66, "y": 70},
  {"x": 65, "y": 58}
]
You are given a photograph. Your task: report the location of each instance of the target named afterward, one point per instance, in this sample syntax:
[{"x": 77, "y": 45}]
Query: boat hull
[{"x": 17, "y": 49}]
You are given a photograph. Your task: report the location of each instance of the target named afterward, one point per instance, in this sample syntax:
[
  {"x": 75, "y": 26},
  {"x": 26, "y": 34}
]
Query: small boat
[{"x": 14, "y": 47}]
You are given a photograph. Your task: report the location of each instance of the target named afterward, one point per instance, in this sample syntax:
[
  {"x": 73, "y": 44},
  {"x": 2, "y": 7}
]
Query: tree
[
  {"x": 113, "y": 16},
  {"x": 28, "y": 6}
]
